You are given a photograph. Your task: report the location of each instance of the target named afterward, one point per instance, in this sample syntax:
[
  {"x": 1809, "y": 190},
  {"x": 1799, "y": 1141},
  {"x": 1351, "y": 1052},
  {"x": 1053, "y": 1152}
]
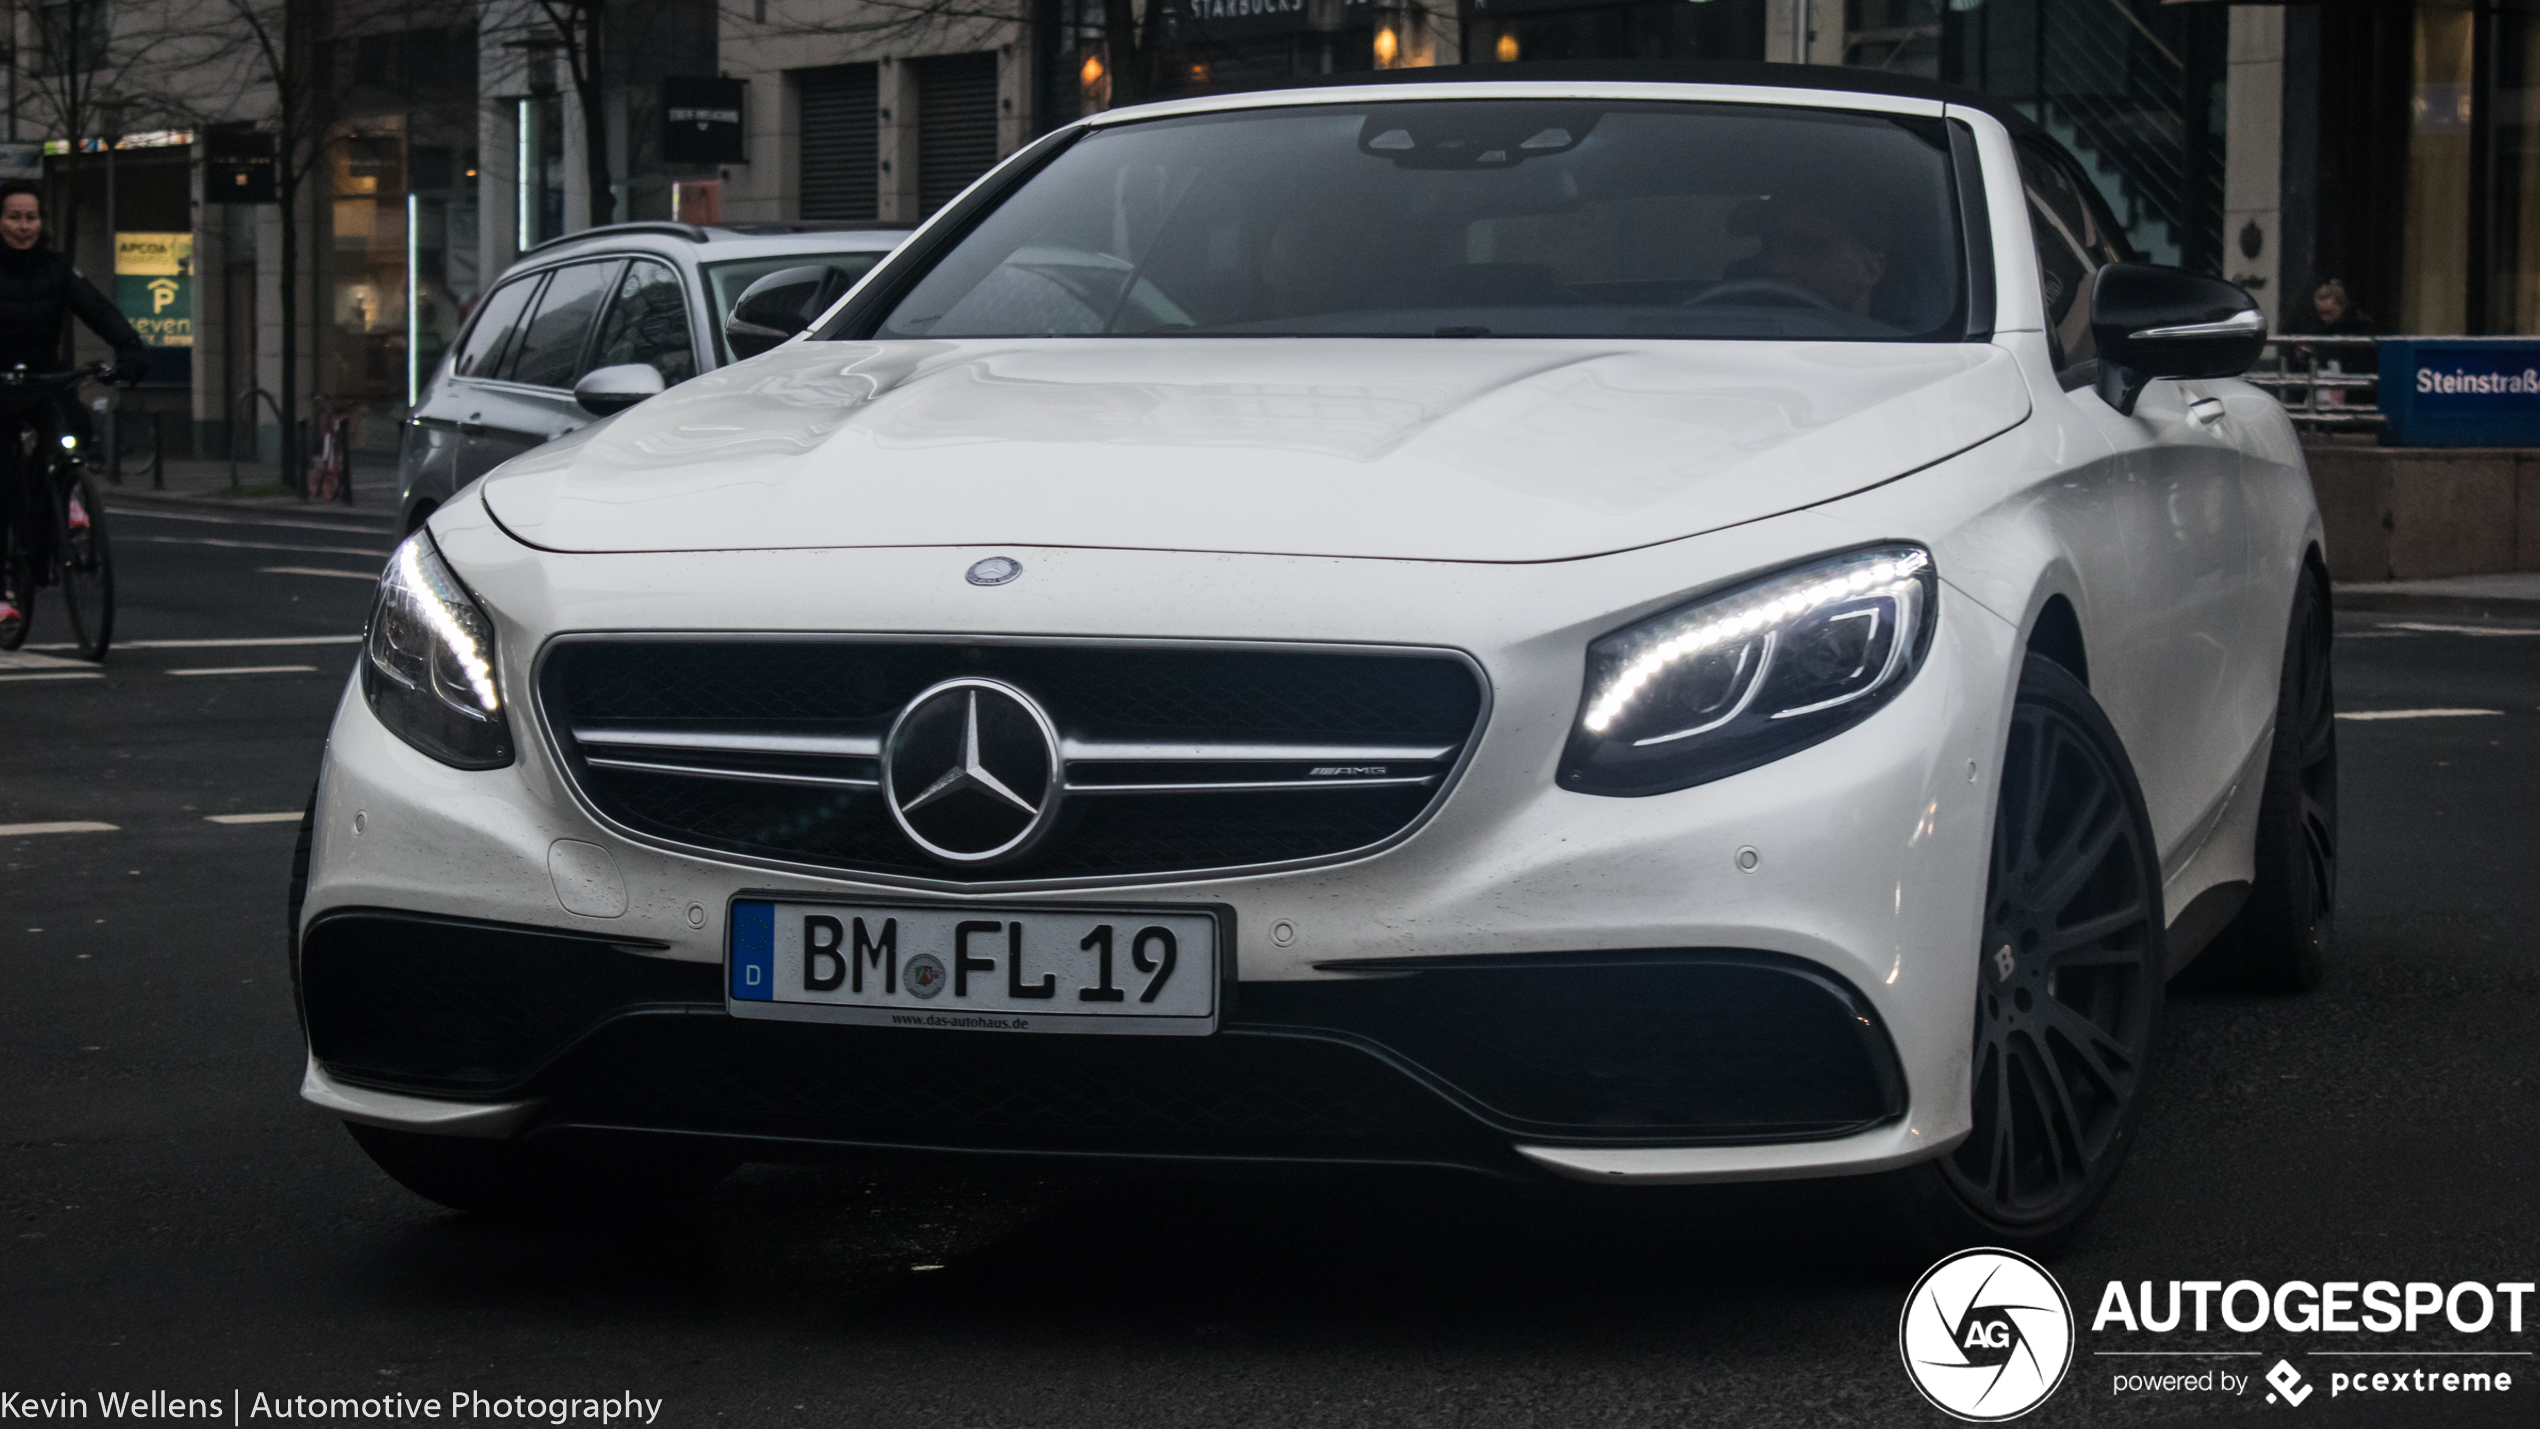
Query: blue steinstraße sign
[{"x": 2460, "y": 391}]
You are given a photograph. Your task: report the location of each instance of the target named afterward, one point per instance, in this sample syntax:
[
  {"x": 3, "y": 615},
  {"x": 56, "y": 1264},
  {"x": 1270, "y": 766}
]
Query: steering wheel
[{"x": 1749, "y": 290}]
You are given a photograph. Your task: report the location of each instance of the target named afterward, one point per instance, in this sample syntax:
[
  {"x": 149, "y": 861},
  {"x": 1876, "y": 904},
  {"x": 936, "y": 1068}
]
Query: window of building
[
  {"x": 956, "y": 125},
  {"x": 840, "y": 142}
]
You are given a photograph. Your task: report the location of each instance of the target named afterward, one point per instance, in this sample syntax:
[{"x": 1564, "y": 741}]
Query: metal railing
[{"x": 2327, "y": 384}]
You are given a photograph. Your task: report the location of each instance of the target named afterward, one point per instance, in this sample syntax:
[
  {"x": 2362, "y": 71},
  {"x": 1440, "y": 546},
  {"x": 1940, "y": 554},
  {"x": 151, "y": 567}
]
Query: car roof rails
[
  {"x": 689, "y": 231},
  {"x": 759, "y": 229}
]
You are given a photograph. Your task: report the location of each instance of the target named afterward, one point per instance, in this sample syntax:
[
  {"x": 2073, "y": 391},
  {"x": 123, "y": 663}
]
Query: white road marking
[
  {"x": 21, "y": 660},
  {"x": 249, "y": 670},
  {"x": 2412, "y": 714},
  {"x": 372, "y": 576},
  {"x": 289, "y": 817},
  {"x": 119, "y": 509},
  {"x": 75, "y": 826},
  {"x": 231, "y": 644},
  {"x": 2460, "y": 629},
  {"x": 54, "y": 675},
  {"x": 380, "y": 551}
]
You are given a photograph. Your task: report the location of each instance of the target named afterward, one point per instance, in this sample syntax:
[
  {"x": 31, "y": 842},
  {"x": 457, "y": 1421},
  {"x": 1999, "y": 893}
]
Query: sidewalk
[
  {"x": 198, "y": 483},
  {"x": 2516, "y": 594}
]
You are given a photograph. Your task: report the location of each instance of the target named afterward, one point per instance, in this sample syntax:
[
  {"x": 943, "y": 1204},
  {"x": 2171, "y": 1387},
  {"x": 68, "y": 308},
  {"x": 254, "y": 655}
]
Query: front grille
[{"x": 1175, "y": 760}]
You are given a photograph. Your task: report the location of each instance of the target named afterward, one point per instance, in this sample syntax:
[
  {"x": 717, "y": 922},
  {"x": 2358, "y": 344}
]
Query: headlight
[
  {"x": 1746, "y": 676},
  {"x": 428, "y": 663}
]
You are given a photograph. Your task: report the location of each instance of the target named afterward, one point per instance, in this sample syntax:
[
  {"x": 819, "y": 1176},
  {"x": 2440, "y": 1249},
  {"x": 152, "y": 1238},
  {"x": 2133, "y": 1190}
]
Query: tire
[
  {"x": 2279, "y": 942},
  {"x": 582, "y": 1180},
  {"x": 2068, "y": 988},
  {"x": 86, "y": 567}
]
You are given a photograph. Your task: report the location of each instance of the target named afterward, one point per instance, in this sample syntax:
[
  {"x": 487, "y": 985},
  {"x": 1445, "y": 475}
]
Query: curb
[{"x": 2505, "y": 607}]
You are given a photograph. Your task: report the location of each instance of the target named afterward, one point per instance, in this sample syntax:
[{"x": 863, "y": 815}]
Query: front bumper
[
  {"x": 1428, "y": 1061},
  {"x": 1864, "y": 887}
]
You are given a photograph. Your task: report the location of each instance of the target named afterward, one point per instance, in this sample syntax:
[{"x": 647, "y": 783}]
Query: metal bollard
[{"x": 158, "y": 451}]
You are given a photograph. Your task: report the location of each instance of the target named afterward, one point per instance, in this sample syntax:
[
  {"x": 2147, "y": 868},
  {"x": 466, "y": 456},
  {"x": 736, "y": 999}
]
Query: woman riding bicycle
[{"x": 39, "y": 289}]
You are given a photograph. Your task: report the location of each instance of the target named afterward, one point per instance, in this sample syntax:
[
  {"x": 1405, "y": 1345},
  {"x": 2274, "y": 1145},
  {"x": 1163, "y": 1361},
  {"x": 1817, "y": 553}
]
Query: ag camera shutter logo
[{"x": 1986, "y": 1335}]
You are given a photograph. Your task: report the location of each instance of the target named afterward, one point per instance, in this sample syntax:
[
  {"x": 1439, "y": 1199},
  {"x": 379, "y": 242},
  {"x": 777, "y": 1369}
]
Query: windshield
[{"x": 1469, "y": 218}]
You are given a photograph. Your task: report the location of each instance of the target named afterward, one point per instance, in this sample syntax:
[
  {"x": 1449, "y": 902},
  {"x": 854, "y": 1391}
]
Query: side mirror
[
  {"x": 780, "y": 305},
  {"x": 606, "y": 391},
  {"x": 2151, "y": 321}
]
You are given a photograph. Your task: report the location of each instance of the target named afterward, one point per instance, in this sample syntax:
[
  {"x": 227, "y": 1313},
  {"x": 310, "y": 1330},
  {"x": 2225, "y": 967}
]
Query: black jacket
[{"x": 38, "y": 288}]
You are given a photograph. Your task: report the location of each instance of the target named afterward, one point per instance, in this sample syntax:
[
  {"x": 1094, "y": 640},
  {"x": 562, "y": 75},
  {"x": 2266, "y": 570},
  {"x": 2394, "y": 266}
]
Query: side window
[
  {"x": 482, "y": 356},
  {"x": 2070, "y": 250},
  {"x": 551, "y": 346},
  {"x": 648, "y": 322}
]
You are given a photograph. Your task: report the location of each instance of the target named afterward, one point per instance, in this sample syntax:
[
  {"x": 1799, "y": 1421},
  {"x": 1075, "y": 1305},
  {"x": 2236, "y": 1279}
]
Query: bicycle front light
[
  {"x": 1750, "y": 674},
  {"x": 428, "y": 663}
]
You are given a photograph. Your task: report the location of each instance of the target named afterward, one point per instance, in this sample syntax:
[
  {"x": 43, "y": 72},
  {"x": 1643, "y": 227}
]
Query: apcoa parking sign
[{"x": 154, "y": 286}]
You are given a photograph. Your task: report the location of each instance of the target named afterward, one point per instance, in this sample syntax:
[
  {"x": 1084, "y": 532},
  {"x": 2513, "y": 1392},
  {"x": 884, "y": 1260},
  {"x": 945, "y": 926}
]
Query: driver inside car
[{"x": 1806, "y": 246}]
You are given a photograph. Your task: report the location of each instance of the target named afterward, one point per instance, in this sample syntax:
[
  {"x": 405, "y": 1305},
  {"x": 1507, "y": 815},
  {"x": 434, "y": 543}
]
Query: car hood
[{"x": 1475, "y": 450}]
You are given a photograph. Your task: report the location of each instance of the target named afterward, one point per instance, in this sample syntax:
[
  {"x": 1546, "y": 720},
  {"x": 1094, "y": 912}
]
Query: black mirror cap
[
  {"x": 778, "y": 306},
  {"x": 2150, "y": 321}
]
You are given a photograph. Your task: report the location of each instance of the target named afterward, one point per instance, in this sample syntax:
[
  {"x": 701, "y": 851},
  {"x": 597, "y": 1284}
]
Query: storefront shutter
[
  {"x": 956, "y": 124},
  {"x": 840, "y": 142}
]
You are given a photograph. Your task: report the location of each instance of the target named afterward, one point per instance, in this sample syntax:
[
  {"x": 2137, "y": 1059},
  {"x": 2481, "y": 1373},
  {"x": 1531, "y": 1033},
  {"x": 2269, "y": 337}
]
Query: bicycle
[{"x": 43, "y": 547}]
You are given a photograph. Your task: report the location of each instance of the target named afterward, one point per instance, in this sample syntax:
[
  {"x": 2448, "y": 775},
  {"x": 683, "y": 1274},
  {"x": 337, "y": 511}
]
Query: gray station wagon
[{"x": 593, "y": 323}]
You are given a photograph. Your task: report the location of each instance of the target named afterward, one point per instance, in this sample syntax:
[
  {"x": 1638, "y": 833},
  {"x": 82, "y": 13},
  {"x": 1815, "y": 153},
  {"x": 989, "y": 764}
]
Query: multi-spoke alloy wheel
[
  {"x": 2068, "y": 983},
  {"x": 2279, "y": 942}
]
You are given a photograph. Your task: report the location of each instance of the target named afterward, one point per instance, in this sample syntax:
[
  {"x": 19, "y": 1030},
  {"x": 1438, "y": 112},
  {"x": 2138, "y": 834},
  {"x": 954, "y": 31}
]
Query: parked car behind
[{"x": 654, "y": 294}]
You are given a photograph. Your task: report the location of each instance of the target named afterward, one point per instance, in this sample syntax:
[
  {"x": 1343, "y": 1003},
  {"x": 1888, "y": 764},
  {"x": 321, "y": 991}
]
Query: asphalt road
[{"x": 176, "y": 1219}]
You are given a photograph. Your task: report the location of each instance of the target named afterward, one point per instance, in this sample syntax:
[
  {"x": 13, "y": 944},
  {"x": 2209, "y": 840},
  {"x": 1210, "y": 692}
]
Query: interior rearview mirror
[
  {"x": 605, "y": 391},
  {"x": 780, "y": 305},
  {"x": 2150, "y": 321}
]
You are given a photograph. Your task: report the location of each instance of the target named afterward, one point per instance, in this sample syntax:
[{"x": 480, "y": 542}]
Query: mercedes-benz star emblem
[
  {"x": 995, "y": 570},
  {"x": 971, "y": 771}
]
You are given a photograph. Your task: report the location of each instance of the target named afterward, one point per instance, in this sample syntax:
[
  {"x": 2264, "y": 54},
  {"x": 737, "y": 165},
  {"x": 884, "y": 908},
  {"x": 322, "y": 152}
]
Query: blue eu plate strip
[{"x": 753, "y": 951}]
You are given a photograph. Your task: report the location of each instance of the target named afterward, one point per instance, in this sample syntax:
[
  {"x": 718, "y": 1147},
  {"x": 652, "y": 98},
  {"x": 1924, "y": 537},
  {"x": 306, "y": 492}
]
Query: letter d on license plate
[{"x": 991, "y": 967}]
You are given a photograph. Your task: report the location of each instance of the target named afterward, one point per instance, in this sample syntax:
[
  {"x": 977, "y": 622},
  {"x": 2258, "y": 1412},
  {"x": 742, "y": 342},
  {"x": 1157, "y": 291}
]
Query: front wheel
[
  {"x": 84, "y": 565},
  {"x": 2280, "y": 940},
  {"x": 2068, "y": 986}
]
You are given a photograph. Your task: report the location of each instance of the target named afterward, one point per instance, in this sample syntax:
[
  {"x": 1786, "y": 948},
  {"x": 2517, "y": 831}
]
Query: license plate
[{"x": 998, "y": 968}]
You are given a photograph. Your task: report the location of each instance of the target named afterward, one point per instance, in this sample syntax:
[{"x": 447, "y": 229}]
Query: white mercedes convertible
[{"x": 1639, "y": 630}]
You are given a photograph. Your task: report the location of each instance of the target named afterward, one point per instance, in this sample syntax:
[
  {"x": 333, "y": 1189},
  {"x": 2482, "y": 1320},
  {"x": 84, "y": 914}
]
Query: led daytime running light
[
  {"x": 1742, "y": 622},
  {"x": 446, "y": 624}
]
